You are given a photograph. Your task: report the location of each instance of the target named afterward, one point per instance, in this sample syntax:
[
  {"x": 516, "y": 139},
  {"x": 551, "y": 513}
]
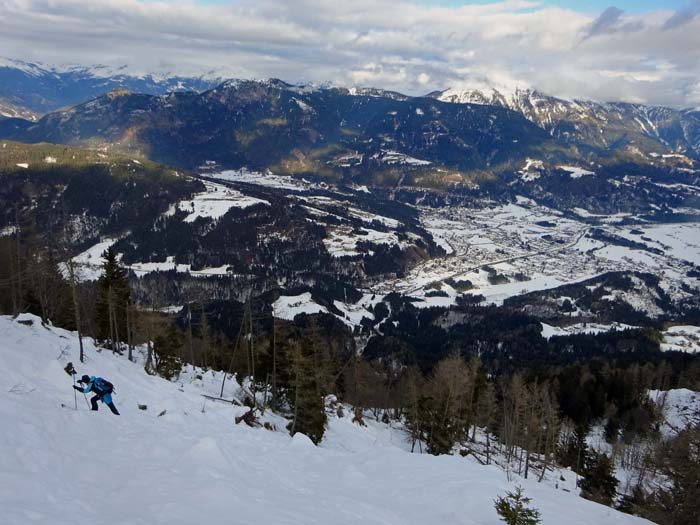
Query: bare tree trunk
[
  {"x": 189, "y": 335},
  {"x": 204, "y": 332},
  {"x": 252, "y": 352},
  {"x": 110, "y": 317},
  {"x": 76, "y": 308},
  {"x": 73, "y": 284},
  {"x": 296, "y": 388},
  {"x": 274, "y": 362},
  {"x": 488, "y": 447},
  {"x": 20, "y": 293},
  {"x": 117, "y": 338},
  {"x": 129, "y": 330},
  {"x": 233, "y": 354}
]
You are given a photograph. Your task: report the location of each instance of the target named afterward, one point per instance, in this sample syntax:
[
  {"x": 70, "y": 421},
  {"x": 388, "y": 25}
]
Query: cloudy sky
[{"x": 639, "y": 51}]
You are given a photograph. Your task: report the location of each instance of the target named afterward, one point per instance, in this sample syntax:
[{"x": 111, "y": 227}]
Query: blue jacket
[{"x": 105, "y": 398}]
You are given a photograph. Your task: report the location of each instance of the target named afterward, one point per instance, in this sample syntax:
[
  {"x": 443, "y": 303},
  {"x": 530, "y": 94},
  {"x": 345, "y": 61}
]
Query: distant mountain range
[
  {"x": 327, "y": 132},
  {"x": 449, "y": 140},
  {"x": 599, "y": 125},
  {"x": 29, "y": 90}
]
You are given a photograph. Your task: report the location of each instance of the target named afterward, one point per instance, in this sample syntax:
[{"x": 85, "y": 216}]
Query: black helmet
[{"x": 85, "y": 379}]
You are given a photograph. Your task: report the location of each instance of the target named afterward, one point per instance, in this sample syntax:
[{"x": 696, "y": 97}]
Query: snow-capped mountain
[
  {"x": 587, "y": 123},
  {"x": 635, "y": 132},
  {"x": 29, "y": 90}
]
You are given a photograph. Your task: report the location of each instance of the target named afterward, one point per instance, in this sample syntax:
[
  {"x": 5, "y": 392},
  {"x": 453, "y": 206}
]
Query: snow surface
[
  {"x": 498, "y": 293},
  {"x": 532, "y": 170},
  {"x": 215, "y": 202},
  {"x": 575, "y": 172},
  {"x": 88, "y": 264},
  {"x": 289, "y": 306},
  {"x": 680, "y": 408},
  {"x": 681, "y": 339},
  {"x": 678, "y": 240},
  {"x": 342, "y": 241},
  {"x": 549, "y": 331},
  {"x": 170, "y": 264},
  {"x": 283, "y": 182},
  {"x": 64, "y": 466}
]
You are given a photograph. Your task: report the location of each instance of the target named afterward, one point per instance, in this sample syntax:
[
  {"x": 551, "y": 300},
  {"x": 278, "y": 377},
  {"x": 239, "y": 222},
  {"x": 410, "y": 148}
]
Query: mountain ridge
[
  {"x": 275, "y": 125},
  {"x": 576, "y": 120}
]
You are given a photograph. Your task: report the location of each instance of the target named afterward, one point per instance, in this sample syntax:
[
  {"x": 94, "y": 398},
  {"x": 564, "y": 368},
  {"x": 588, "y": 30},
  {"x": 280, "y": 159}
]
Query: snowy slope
[
  {"x": 192, "y": 465},
  {"x": 680, "y": 408}
]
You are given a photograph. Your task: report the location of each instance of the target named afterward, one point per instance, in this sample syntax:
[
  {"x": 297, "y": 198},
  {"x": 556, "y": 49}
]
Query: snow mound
[{"x": 183, "y": 458}]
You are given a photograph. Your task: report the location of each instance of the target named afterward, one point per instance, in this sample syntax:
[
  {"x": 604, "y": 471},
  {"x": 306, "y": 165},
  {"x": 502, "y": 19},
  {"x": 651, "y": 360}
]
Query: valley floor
[{"x": 193, "y": 464}]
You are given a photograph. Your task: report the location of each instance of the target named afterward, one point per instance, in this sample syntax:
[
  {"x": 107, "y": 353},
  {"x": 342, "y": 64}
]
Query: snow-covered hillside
[
  {"x": 680, "y": 408},
  {"x": 193, "y": 464}
]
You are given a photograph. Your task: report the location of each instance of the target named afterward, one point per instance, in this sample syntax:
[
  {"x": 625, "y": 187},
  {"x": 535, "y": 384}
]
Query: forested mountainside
[{"x": 326, "y": 132}]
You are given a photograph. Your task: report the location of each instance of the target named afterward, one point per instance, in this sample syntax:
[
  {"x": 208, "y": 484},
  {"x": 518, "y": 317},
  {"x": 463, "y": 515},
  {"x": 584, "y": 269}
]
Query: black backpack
[{"x": 103, "y": 386}]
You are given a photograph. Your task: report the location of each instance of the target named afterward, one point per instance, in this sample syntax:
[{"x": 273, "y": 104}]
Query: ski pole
[{"x": 75, "y": 394}]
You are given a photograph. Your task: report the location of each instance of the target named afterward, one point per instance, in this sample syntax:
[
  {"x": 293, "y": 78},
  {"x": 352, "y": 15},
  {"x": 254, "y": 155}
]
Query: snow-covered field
[
  {"x": 549, "y": 331},
  {"x": 215, "y": 202},
  {"x": 289, "y": 306},
  {"x": 192, "y": 463},
  {"x": 576, "y": 172},
  {"x": 681, "y": 339},
  {"x": 538, "y": 248},
  {"x": 519, "y": 241},
  {"x": 283, "y": 182},
  {"x": 88, "y": 265}
]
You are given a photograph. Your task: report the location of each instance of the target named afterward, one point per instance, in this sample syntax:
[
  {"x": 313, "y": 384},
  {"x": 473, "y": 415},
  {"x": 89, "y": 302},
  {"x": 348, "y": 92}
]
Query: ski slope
[{"x": 194, "y": 465}]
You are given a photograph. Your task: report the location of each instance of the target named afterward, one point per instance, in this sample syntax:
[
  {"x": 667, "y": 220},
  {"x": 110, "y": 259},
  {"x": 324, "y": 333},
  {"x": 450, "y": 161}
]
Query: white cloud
[{"x": 400, "y": 45}]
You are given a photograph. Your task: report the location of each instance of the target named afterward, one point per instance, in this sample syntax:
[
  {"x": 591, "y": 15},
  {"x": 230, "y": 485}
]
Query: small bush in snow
[{"x": 514, "y": 510}]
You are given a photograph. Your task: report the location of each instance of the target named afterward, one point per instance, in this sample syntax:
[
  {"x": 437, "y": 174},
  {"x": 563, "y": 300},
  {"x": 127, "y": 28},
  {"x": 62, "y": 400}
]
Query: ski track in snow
[{"x": 61, "y": 466}]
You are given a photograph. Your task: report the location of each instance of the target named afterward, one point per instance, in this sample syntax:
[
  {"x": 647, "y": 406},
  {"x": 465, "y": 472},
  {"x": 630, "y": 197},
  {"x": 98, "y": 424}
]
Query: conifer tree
[
  {"x": 306, "y": 399},
  {"x": 166, "y": 349},
  {"x": 599, "y": 483},
  {"x": 514, "y": 509},
  {"x": 112, "y": 301}
]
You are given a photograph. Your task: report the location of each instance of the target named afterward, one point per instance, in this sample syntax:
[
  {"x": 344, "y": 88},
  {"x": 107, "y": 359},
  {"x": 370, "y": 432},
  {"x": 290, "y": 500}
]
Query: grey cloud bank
[{"x": 652, "y": 57}]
